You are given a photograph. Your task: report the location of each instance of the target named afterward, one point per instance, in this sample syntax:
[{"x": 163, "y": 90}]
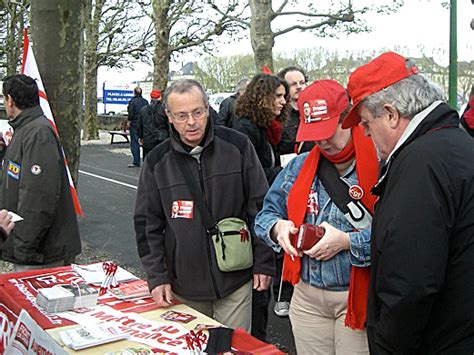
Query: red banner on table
[{"x": 20, "y": 293}]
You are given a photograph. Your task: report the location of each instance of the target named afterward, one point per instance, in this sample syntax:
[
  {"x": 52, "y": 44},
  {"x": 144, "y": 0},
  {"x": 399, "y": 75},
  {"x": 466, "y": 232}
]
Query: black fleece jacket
[{"x": 178, "y": 250}]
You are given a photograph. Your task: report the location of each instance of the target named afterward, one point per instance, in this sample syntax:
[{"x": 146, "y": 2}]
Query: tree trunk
[
  {"x": 261, "y": 35},
  {"x": 92, "y": 18},
  {"x": 56, "y": 28},
  {"x": 161, "y": 53}
]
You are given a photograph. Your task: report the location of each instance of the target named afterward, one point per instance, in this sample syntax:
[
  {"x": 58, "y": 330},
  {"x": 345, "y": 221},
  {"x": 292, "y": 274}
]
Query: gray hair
[
  {"x": 182, "y": 86},
  {"x": 241, "y": 85},
  {"x": 410, "y": 95}
]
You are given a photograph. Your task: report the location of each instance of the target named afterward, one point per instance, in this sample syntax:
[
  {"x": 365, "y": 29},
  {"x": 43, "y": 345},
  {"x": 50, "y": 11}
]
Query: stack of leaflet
[
  {"x": 133, "y": 289},
  {"x": 61, "y": 298}
]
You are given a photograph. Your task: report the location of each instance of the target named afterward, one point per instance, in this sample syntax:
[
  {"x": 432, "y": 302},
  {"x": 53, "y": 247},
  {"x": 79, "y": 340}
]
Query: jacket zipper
[{"x": 208, "y": 245}]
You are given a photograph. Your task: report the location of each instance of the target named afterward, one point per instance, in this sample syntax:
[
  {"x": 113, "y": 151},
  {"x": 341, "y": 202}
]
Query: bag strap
[
  {"x": 356, "y": 213},
  {"x": 209, "y": 222}
]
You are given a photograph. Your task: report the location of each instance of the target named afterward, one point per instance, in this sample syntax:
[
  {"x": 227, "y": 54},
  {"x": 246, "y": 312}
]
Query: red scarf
[
  {"x": 366, "y": 170},
  {"x": 274, "y": 130},
  {"x": 469, "y": 115}
]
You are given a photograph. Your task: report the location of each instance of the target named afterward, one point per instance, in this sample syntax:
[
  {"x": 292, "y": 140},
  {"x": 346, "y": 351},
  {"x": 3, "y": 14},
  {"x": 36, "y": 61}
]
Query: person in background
[
  {"x": 227, "y": 106},
  {"x": 467, "y": 118},
  {"x": 134, "y": 107},
  {"x": 35, "y": 185},
  {"x": 327, "y": 310},
  {"x": 260, "y": 113},
  {"x": 421, "y": 297},
  {"x": 175, "y": 249},
  {"x": 297, "y": 80},
  {"x": 150, "y": 132}
]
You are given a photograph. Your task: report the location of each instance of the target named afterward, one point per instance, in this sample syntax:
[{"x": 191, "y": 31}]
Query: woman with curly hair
[{"x": 261, "y": 111}]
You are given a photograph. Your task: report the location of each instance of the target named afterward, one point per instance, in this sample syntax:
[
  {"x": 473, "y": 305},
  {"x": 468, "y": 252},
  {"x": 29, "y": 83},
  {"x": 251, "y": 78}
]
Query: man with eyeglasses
[{"x": 176, "y": 251}]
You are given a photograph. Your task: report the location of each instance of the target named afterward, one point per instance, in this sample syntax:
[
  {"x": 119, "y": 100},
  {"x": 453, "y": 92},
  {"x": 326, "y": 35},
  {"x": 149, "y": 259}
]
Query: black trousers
[{"x": 260, "y": 302}]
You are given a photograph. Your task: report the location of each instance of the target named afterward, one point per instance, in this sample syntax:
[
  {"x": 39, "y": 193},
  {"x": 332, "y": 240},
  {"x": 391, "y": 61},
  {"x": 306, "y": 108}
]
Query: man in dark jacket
[
  {"x": 134, "y": 107},
  {"x": 296, "y": 79},
  {"x": 35, "y": 185},
  {"x": 153, "y": 127},
  {"x": 227, "y": 106},
  {"x": 176, "y": 251},
  {"x": 421, "y": 296}
]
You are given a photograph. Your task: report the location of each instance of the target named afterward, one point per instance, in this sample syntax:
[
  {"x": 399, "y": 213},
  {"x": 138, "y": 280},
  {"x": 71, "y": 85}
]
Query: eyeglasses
[{"x": 197, "y": 114}]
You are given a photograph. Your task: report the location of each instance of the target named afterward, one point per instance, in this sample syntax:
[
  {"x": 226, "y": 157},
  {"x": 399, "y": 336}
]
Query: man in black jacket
[
  {"x": 176, "y": 251},
  {"x": 134, "y": 107},
  {"x": 35, "y": 185},
  {"x": 421, "y": 296},
  {"x": 296, "y": 79},
  {"x": 227, "y": 106},
  {"x": 153, "y": 127}
]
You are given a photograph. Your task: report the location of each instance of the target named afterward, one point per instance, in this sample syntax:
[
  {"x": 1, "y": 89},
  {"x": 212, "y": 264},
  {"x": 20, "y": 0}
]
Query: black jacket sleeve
[
  {"x": 140, "y": 122},
  {"x": 149, "y": 223},
  {"x": 226, "y": 111}
]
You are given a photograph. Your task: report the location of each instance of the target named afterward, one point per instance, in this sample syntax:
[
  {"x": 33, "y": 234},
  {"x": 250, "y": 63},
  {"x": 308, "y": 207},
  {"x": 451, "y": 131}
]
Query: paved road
[{"x": 107, "y": 190}]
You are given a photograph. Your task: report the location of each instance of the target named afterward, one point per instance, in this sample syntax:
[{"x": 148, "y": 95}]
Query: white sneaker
[{"x": 282, "y": 309}]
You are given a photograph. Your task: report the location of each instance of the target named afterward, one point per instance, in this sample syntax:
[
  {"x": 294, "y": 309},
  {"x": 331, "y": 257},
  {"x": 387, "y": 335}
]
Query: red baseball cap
[
  {"x": 320, "y": 106},
  {"x": 383, "y": 71},
  {"x": 155, "y": 94}
]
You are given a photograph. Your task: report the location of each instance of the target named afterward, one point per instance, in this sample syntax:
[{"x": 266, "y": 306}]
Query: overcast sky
[{"x": 419, "y": 27}]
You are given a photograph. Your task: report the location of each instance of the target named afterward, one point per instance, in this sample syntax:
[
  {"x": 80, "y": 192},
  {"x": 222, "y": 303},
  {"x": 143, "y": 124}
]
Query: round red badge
[{"x": 356, "y": 192}]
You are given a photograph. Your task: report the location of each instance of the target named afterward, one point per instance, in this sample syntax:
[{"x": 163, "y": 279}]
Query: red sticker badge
[
  {"x": 315, "y": 110},
  {"x": 356, "y": 192},
  {"x": 182, "y": 209},
  {"x": 312, "y": 206}
]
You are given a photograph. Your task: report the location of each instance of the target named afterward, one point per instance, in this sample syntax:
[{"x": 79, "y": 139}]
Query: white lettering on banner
[
  {"x": 165, "y": 336},
  {"x": 6, "y": 326}
]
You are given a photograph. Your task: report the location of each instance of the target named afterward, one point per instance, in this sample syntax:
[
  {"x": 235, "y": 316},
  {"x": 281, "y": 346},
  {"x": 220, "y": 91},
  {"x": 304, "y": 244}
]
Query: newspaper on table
[
  {"x": 29, "y": 338},
  {"x": 133, "y": 289},
  {"x": 60, "y": 298},
  {"x": 91, "y": 335},
  {"x": 166, "y": 336},
  {"x": 94, "y": 274}
]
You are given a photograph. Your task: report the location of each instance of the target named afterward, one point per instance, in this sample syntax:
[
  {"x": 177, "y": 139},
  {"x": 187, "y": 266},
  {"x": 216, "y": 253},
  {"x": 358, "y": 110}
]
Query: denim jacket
[{"x": 332, "y": 274}]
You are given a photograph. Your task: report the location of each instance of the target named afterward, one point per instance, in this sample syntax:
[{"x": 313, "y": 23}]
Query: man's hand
[
  {"x": 332, "y": 242},
  {"x": 6, "y": 224},
  {"x": 162, "y": 295},
  {"x": 261, "y": 282},
  {"x": 140, "y": 141},
  {"x": 281, "y": 232}
]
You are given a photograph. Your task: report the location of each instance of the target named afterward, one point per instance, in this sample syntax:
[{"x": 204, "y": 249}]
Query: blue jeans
[{"x": 134, "y": 146}]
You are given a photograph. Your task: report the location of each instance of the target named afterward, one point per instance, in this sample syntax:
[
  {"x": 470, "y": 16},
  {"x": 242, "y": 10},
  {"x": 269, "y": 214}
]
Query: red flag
[
  {"x": 266, "y": 70},
  {"x": 30, "y": 68}
]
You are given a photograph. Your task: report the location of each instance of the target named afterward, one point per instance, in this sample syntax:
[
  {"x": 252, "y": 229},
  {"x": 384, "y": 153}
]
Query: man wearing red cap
[
  {"x": 331, "y": 277},
  {"x": 151, "y": 129},
  {"x": 421, "y": 297}
]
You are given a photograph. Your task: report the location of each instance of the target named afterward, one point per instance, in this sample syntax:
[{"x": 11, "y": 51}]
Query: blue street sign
[{"x": 118, "y": 97}]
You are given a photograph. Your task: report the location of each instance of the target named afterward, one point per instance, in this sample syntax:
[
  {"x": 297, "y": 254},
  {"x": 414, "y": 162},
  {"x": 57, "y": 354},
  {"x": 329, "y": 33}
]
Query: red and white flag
[{"x": 30, "y": 68}]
